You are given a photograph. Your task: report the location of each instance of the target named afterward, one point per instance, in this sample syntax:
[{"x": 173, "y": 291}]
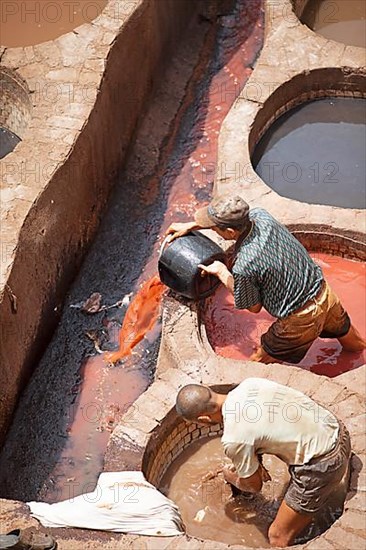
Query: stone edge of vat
[{"x": 295, "y": 65}]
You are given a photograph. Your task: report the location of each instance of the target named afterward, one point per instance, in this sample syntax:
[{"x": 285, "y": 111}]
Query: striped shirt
[{"x": 272, "y": 268}]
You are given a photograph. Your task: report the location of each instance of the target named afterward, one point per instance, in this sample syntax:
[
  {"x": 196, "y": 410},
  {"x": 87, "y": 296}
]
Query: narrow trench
[{"x": 56, "y": 444}]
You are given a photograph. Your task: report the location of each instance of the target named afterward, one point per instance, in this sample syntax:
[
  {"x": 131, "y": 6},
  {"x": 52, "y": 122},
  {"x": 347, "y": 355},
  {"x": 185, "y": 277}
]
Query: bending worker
[
  {"x": 273, "y": 270},
  {"x": 261, "y": 416}
]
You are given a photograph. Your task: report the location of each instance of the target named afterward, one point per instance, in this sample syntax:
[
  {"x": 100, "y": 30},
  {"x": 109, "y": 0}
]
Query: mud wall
[{"x": 63, "y": 220}]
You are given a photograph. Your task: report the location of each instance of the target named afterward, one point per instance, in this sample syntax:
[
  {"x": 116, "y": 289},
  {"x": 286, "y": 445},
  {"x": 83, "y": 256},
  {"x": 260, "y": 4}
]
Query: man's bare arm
[
  {"x": 255, "y": 309},
  {"x": 178, "y": 229},
  {"x": 221, "y": 272},
  {"x": 252, "y": 484}
]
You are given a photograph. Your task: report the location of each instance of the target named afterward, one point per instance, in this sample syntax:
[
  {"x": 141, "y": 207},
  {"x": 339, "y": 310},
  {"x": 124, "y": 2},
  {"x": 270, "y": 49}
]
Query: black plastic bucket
[{"x": 178, "y": 265}]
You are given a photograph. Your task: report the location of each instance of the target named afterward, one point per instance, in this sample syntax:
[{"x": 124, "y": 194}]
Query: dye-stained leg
[
  {"x": 262, "y": 356},
  {"x": 286, "y": 526},
  {"x": 352, "y": 341}
]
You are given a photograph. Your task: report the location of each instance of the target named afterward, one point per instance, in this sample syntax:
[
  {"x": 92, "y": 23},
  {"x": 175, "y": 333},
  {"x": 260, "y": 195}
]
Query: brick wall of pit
[
  {"x": 162, "y": 451},
  {"x": 15, "y": 103},
  {"x": 320, "y": 83},
  {"x": 334, "y": 244}
]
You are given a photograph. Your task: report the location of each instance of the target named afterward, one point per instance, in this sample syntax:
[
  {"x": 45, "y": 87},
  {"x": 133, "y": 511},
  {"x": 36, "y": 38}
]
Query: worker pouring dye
[
  {"x": 272, "y": 269},
  {"x": 262, "y": 417}
]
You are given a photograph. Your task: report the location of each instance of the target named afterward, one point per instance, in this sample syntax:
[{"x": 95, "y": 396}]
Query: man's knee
[
  {"x": 261, "y": 356},
  {"x": 278, "y": 537}
]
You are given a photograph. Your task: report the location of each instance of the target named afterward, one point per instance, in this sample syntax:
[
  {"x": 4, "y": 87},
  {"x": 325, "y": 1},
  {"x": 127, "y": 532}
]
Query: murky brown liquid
[
  {"x": 315, "y": 153},
  {"x": 29, "y": 22},
  {"x": 210, "y": 512},
  {"x": 340, "y": 20},
  {"x": 8, "y": 142},
  {"x": 233, "y": 521}
]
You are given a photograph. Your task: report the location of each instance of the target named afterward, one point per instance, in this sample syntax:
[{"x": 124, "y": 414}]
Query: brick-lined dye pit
[
  {"x": 343, "y": 21},
  {"x": 177, "y": 460},
  {"x": 177, "y": 437},
  {"x": 315, "y": 153},
  {"x": 236, "y": 333},
  {"x": 15, "y": 110},
  {"x": 207, "y": 507}
]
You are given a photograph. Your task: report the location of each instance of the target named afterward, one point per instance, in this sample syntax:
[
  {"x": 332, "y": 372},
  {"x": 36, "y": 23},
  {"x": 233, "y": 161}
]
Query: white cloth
[
  {"x": 261, "y": 416},
  {"x": 123, "y": 502}
]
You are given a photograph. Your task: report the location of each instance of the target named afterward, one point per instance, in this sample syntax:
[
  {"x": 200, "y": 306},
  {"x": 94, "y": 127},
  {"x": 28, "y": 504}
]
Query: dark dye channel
[
  {"x": 209, "y": 511},
  {"x": 315, "y": 153},
  {"x": 56, "y": 444},
  {"x": 340, "y": 20},
  {"x": 8, "y": 142}
]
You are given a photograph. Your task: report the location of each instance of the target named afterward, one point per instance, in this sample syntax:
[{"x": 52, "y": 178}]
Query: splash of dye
[{"x": 139, "y": 319}]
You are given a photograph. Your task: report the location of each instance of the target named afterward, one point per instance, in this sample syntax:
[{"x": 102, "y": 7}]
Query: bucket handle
[{"x": 163, "y": 245}]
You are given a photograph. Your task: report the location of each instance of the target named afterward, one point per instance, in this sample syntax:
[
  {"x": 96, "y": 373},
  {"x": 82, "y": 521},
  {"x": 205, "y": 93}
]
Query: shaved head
[{"x": 195, "y": 400}]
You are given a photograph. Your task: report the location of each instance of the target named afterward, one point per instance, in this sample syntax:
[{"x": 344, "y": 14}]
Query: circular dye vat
[
  {"x": 35, "y": 21},
  {"x": 315, "y": 153},
  {"x": 340, "y": 20},
  {"x": 210, "y": 512},
  {"x": 236, "y": 333},
  {"x": 8, "y": 142}
]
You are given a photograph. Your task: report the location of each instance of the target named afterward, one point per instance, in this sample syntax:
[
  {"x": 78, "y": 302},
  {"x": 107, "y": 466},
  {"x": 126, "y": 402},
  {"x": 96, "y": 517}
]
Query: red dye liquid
[
  {"x": 236, "y": 333},
  {"x": 140, "y": 318},
  {"x": 192, "y": 174},
  {"x": 106, "y": 393}
]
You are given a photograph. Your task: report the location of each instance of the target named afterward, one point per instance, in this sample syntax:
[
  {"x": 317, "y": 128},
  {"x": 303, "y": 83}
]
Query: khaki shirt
[{"x": 261, "y": 416}]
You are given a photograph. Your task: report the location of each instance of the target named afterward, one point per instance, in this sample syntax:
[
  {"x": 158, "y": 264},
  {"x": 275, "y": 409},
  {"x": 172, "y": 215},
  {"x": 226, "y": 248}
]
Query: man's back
[
  {"x": 261, "y": 416},
  {"x": 273, "y": 268}
]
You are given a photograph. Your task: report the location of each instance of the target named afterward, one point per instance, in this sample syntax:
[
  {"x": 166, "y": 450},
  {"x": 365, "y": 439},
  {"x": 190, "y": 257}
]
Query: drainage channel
[{"x": 55, "y": 446}]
